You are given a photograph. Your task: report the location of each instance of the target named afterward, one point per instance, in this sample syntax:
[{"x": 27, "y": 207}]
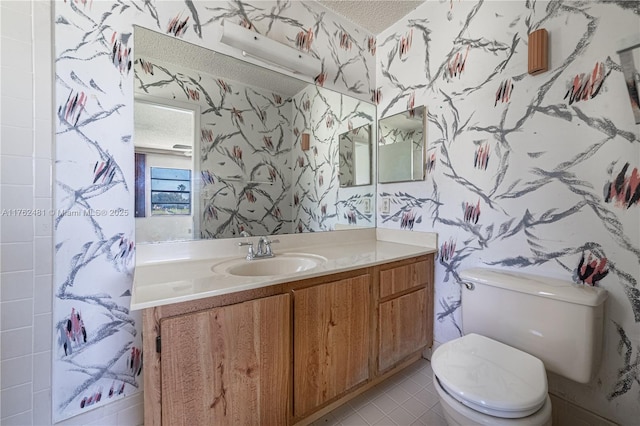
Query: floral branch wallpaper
[
  {"x": 535, "y": 173},
  {"x": 97, "y": 357},
  {"x": 318, "y": 201},
  {"x": 532, "y": 173},
  {"x": 243, "y": 174}
]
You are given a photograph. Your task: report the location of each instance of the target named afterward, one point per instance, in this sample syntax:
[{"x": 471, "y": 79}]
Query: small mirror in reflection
[
  {"x": 355, "y": 157},
  {"x": 402, "y": 146}
]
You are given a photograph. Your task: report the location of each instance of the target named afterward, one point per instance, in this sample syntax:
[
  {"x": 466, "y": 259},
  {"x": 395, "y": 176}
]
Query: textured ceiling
[
  {"x": 150, "y": 44},
  {"x": 372, "y": 15},
  {"x": 160, "y": 127}
]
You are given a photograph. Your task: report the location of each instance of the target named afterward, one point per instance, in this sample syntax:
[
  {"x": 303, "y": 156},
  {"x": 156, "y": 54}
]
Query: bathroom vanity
[{"x": 254, "y": 349}]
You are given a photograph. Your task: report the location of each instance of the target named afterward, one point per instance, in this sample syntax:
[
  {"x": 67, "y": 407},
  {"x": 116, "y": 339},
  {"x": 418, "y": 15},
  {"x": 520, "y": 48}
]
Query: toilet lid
[{"x": 490, "y": 376}]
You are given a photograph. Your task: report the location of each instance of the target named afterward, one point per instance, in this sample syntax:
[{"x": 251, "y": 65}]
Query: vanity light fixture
[{"x": 258, "y": 46}]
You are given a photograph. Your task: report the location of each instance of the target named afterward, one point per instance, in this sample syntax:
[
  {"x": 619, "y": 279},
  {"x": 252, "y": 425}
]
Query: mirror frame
[
  {"x": 370, "y": 157},
  {"x": 423, "y": 150}
]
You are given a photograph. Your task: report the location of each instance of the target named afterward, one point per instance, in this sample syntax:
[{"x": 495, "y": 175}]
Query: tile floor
[{"x": 408, "y": 398}]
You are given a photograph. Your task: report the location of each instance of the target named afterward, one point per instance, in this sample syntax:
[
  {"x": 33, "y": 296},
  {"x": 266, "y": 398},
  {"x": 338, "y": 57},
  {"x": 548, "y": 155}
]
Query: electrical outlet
[
  {"x": 366, "y": 205},
  {"x": 385, "y": 207}
]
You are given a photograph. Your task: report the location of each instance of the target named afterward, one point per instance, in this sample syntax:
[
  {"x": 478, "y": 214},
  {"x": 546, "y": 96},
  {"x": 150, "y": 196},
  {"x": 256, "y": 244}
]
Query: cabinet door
[
  {"x": 228, "y": 365},
  {"x": 331, "y": 341},
  {"x": 404, "y": 327}
]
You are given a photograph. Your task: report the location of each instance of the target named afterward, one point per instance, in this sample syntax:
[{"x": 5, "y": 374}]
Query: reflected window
[{"x": 170, "y": 191}]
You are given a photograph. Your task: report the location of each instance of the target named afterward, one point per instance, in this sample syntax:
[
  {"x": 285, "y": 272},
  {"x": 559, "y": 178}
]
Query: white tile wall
[
  {"x": 26, "y": 242},
  {"x": 13, "y": 287},
  {"x": 21, "y": 138}
]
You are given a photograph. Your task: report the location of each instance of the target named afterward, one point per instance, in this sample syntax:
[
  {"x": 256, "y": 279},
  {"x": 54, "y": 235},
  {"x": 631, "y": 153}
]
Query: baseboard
[{"x": 565, "y": 413}]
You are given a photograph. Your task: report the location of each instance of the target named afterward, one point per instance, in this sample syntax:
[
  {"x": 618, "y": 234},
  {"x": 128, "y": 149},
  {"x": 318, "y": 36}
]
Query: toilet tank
[{"x": 559, "y": 322}]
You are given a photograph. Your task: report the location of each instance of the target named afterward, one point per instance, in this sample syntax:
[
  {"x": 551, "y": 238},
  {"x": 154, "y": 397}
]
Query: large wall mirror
[
  {"x": 242, "y": 167},
  {"x": 402, "y": 146}
]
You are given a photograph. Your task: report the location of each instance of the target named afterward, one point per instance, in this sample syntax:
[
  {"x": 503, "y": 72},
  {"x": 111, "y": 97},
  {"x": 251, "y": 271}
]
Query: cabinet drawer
[
  {"x": 404, "y": 327},
  {"x": 401, "y": 278}
]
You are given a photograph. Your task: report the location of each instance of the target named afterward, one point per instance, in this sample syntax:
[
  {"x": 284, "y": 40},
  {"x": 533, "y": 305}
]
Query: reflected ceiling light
[
  {"x": 268, "y": 50},
  {"x": 180, "y": 146}
]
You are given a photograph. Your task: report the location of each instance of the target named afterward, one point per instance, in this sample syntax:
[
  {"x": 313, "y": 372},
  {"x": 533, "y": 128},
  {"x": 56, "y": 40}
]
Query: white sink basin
[{"x": 281, "y": 264}]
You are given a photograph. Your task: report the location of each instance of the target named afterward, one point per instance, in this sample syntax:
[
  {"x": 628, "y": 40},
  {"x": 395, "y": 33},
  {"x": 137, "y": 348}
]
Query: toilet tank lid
[{"x": 536, "y": 285}]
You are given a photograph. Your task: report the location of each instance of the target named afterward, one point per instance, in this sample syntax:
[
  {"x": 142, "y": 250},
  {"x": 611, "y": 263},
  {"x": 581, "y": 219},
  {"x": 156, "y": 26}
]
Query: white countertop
[{"x": 163, "y": 280}]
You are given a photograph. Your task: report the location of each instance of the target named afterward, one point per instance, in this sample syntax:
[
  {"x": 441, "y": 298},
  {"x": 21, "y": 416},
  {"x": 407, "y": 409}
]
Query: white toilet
[{"x": 516, "y": 326}]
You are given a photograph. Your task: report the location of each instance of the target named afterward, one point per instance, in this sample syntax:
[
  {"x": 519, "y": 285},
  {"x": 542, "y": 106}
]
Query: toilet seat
[{"x": 491, "y": 377}]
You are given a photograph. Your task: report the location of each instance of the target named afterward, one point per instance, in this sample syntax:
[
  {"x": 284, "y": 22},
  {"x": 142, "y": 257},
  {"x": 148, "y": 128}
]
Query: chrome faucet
[
  {"x": 264, "y": 247},
  {"x": 262, "y": 250}
]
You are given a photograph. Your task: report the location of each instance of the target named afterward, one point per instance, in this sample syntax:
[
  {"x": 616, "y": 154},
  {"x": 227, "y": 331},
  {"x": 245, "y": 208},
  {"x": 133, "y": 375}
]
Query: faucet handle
[
  {"x": 250, "y": 253},
  {"x": 267, "y": 243}
]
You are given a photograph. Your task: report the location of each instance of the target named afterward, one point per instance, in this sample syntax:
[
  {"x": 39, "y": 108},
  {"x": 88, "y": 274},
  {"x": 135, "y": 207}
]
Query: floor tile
[
  {"x": 402, "y": 416},
  {"x": 415, "y": 407},
  {"x": 410, "y": 386},
  {"x": 354, "y": 420},
  {"x": 386, "y": 421},
  {"x": 421, "y": 379},
  {"x": 431, "y": 418},
  {"x": 327, "y": 420},
  {"x": 371, "y": 413},
  {"x": 343, "y": 411},
  {"x": 437, "y": 409},
  {"x": 398, "y": 394},
  {"x": 385, "y": 403},
  {"x": 403, "y": 399},
  {"x": 427, "y": 398}
]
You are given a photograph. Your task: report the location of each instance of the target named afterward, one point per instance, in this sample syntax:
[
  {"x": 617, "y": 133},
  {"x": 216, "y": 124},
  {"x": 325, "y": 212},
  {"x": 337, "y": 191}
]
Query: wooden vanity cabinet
[
  {"x": 228, "y": 365},
  {"x": 331, "y": 341},
  {"x": 405, "y": 310},
  {"x": 288, "y": 353}
]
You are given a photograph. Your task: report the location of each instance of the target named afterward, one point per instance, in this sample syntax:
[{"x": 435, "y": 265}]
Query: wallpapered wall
[
  {"x": 524, "y": 172},
  {"x": 97, "y": 358},
  {"x": 318, "y": 201},
  {"x": 531, "y": 173},
  {"x": 243, "y": 173}
]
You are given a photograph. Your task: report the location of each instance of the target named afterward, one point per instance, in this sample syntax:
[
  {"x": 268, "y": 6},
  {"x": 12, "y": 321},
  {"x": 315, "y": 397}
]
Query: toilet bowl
[
  {"x": 457, "y": 414},
  {"x": 516, "y": 327},
  {"x": 483, "y": 382}
]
